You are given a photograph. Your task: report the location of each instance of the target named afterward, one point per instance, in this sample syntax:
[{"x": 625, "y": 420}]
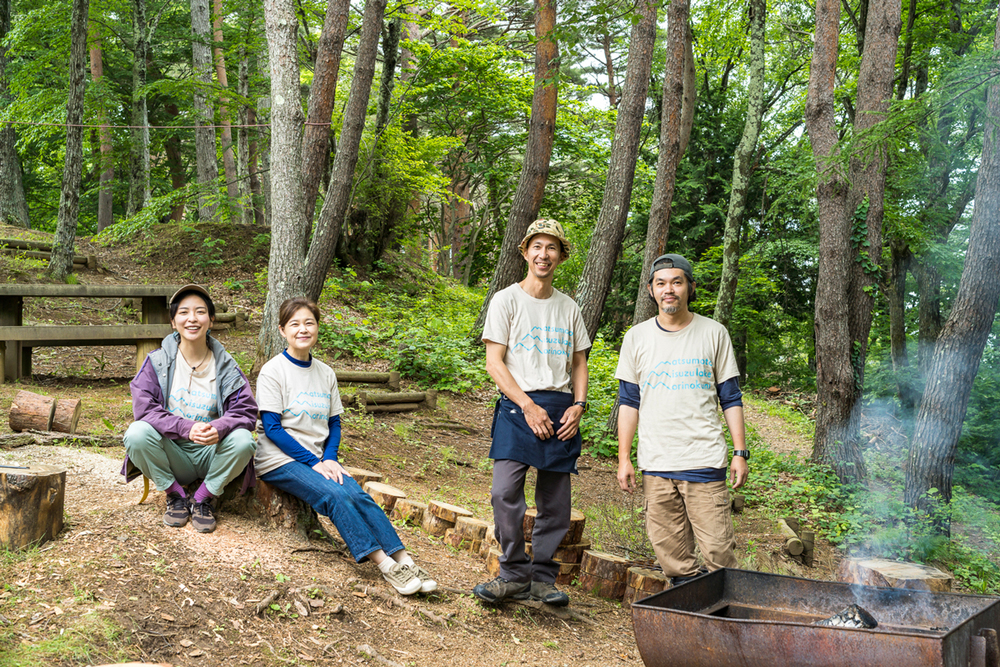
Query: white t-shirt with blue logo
[
  {"x": 194, "y": 395},
  {"x": 541, "y": 336}
]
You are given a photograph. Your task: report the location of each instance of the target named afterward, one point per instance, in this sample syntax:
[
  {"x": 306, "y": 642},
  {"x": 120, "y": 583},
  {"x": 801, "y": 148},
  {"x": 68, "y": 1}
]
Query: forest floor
[{"x": 116, "y": 584}]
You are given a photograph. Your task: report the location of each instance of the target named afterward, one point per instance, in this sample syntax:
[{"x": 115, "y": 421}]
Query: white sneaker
[
  {"x": 403, "y": 579},
  {"x": 427, "y": 585}
]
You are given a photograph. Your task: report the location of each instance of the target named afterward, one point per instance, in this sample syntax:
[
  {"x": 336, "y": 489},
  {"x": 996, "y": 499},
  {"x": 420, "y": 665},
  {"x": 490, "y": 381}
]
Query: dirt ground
[{"x": 136, "y": 589}]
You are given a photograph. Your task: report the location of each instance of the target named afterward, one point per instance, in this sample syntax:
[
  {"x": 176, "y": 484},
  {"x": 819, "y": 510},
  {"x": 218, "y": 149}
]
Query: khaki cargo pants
[{"x": 679, "y": 513}]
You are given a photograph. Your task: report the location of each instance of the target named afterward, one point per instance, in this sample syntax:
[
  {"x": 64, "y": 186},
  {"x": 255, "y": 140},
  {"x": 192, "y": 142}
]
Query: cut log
[
  {"x": 31, "y": 504},
  {"x": 568, "y": 572},
  {"x": 386, "y": 398},
  {"x": 571, "y": 553},
  {"x": 793, "y": 544},
  {"x": 642, "y": 582},
  {"x": 493, "y": 561},
  {"x": 364, "y": 377},
  {"x": 808, "y": 538},
  {"x": 894, "y": 574},
  {"x": 605, "y": 566},
  {"x": 443, "y": 510},
  {"x": 430, "y": 401},
  {"x": 489, "y": 541},
  {"x": 31, "y": 411},
  {"x": 384, "y": 495},
  {"x": 577, "y": 522},
  {"x": 434, "y": 525},
  {"x": 529, "y": 522},
  {"x": 458, "y": 541},
  {"x": 66, "y": 415},
  {"x": 409, "y": 511},
  {"x": 362, "y": 476},
  {"x": 470, "y": 528},
  {"x": 604, "y": 588},
  {"x": 395, "y": 407},
  {"x": 273, "y": 507}
]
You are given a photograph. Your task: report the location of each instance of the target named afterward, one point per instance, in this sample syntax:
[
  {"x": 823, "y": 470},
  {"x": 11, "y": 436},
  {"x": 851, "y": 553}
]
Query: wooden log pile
[
  {"x": 799, "y": 543},
  {"x": 442, "y": 516},
  {"x": 409, "y": 511},
  {"x": 43, "y": 251},
  {"x": 384, "y": 495},
  {"x": 467, "y": 535},
  {"x": 390, "y": 379},
  {"x": 34, "y": 412},
  {"x": 641, "y": 582}
]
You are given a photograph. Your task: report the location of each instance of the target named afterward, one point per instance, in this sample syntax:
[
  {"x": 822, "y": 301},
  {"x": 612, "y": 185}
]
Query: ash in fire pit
[{"x": 852, "y": 617}]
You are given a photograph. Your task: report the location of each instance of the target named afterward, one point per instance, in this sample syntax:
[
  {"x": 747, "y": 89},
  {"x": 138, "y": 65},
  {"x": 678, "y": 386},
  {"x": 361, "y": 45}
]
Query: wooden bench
[{"x": 18, "y": 339}]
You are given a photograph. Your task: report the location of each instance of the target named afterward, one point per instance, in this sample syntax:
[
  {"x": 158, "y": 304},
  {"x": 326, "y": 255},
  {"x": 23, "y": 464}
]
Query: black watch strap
[
  {"x": 583, "y": 404},
  {"x": 745, "y": 453}
]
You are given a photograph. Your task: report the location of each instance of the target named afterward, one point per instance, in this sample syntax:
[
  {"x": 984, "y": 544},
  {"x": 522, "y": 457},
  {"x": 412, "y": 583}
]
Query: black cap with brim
[{"x": 671, "y": 262}]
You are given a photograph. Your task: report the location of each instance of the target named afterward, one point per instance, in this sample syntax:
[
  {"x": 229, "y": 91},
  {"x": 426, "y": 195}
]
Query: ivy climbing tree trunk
[
  {"x": 13, "y": 206},
  {"x": 204, "y": 134},
  {"x": 338, "y": 192},
  {"x": 742, "y": 167},
  {"x": 316, "y": 143},
  {"x": 677, "y": 117},
  {"x": 605, "y": 244},
  {"x": 850, "y": 214},
  {"x": 537, "y": 153},
  {"x": 960, "y": 346},
  {"x": 61, "y": 263},
  {"x": 138, "y": 190}
]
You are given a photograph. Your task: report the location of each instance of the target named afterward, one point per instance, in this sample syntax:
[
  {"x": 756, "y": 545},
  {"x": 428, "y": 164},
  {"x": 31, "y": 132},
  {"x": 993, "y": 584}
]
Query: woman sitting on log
[
  {"x": 299, "y": 440},
  {"x": 194, "y": 414}
]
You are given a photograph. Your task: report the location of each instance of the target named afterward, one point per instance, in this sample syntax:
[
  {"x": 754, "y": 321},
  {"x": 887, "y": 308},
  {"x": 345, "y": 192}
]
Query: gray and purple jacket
[{"x": 151, "y": 386}]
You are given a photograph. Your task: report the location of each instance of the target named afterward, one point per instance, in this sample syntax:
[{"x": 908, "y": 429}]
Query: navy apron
[{"x": 513, "y": 439}]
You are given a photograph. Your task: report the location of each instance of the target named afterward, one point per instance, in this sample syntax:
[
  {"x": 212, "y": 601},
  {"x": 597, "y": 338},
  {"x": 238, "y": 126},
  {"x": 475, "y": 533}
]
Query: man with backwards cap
[
  {"x": 674, "y": 371},
  {"x": 536, "y": 352}
]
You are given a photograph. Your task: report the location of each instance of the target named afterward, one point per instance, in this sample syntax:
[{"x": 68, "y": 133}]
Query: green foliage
[
  {"x": 602, "y": 392},
  {"x": 347, "y": 335}
]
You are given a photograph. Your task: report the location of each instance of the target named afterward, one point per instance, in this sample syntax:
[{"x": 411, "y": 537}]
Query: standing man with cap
[
  {"x": 194, "y": 415},
  {"x": 536, "y": 352},
  {"x": 674, "y": 371}
]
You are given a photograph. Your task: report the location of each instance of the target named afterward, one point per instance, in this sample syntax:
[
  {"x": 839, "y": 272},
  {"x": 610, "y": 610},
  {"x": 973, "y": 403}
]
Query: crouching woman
[
  {"x": 299, "y": 437},
  {"x": 194, "y": 414}
]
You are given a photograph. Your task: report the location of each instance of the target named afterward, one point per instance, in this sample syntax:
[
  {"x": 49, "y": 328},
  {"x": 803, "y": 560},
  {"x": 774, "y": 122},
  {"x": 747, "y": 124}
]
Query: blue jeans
[{"x": 361, "y": 522}]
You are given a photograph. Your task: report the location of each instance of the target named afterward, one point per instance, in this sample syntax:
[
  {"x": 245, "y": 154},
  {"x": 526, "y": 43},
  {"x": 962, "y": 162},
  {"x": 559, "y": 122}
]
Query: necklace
[{"x": 195, "y": 367}]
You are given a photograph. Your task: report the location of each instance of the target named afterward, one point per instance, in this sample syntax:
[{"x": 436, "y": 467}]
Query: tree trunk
[
  {"x": 605, "y": 244},
  {"x": 288, "y": 234},
  {"x": 243, "y": 139},
  {"x": 896, "y": 296},
  {"x": 338, "y": 193},
  {"x": 960, "y": 346},
  {"x": 138, "y": 191},
  {"x": 61, "y": 264},
  {"x": 316, "y": 143},
  {"x": 204, "y": 134},
  {"x": 13, "y": 206},
  {"x": 742, "y": 167},
  {"x": 535, "y": 170},
  {"x": 609, "y": 63},
  {"x": 175, "y": 165},
  {"x": 675, "y": 129},
  {"x": 848, "y": 271},
  {"x": 105, "y": 199},
  {"x": 228, "y": 159}
]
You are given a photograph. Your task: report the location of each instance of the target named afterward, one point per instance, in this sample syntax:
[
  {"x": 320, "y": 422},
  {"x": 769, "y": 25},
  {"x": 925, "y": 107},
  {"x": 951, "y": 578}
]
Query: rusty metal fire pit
[{"x": 741, "y": 618}]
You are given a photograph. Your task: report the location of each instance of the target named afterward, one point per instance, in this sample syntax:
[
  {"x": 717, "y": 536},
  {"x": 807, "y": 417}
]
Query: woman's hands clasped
[{"x": 332, "y": 470}]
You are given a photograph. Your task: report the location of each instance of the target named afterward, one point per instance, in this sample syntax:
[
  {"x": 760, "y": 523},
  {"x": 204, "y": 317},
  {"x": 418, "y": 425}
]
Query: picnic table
[{"x": 17, "y": 339}]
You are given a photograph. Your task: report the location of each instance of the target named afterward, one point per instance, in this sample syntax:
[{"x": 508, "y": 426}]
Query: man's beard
[{"x": 669, "y": 310}]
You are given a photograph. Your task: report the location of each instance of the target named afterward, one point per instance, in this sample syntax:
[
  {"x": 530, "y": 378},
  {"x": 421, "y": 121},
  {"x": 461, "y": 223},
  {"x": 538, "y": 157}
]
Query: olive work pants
[{"x": 678, "y": 514}]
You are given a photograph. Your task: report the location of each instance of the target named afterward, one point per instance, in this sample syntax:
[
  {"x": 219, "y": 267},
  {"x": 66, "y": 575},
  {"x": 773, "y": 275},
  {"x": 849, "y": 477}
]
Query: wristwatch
[
  {"x": 745, "y": 453},
  {"x": 583, "y": 404}
]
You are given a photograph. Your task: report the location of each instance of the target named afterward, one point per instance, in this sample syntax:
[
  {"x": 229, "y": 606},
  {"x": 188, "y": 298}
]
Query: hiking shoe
[
  {"x": 403, "y": 578},
  {"x": 500, "y": 588},
  {"x": 548, "y": 593},
  {"x": 178, "y": 511},
  {"x": 677, "y": 581},
  {"x": 427, "y": 584},
  {"x": 202, "y": 517}
]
